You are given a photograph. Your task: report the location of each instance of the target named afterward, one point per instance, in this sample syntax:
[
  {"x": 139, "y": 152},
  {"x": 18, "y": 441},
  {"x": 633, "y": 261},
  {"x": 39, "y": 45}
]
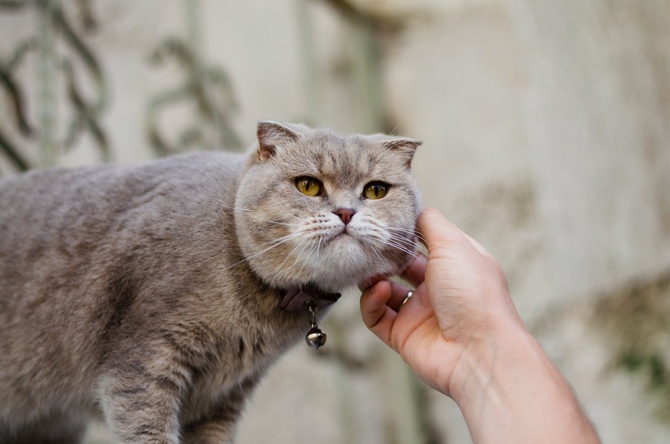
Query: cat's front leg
[
  {"x": 219, "y": 424},
  {"x": 212, "y": 430},
  {"x": 141, "y": 406}
]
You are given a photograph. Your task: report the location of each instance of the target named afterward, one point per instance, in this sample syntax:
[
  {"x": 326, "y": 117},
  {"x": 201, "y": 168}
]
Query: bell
[{"x": 315, "y": 338}]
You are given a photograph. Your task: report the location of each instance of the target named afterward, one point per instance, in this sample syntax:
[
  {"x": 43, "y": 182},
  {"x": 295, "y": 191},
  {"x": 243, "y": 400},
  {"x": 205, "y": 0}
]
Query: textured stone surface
[{"x": 546, "y": 137}]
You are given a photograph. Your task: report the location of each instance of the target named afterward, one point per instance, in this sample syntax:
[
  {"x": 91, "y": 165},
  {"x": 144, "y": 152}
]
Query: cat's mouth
[{"x": 346, "y": 235}]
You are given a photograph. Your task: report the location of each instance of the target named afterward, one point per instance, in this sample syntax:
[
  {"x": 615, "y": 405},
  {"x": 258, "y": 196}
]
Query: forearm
[{"x": 510, "y": 392}]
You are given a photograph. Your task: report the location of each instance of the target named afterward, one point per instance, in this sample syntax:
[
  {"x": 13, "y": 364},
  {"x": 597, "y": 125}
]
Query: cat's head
[{"x": 314, "y": 207}]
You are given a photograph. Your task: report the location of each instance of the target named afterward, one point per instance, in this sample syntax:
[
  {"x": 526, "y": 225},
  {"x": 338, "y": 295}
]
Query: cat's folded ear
[
  {"x": 272, "y": 135},
  {"x": 404, "y": 146}
]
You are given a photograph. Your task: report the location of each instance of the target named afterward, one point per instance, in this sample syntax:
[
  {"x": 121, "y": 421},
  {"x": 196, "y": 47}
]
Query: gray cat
[{"x": 156, "y": 296}]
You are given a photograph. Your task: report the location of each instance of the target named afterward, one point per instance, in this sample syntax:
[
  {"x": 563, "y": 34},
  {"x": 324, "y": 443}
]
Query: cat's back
[
  {"x": 54, "y": 224},
  {"x": 44, "y": 207},
  {"x": 78, "y": 246},
  {"x": 63, "y": 192},
  {"x": 63, "y": 232}
]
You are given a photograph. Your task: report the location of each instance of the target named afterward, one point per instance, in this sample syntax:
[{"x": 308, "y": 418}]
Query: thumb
[{"x": 440, "y": 232}]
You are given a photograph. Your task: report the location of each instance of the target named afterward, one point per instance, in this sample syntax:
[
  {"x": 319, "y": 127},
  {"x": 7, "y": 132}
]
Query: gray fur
[{"x": 149, "y": 295}]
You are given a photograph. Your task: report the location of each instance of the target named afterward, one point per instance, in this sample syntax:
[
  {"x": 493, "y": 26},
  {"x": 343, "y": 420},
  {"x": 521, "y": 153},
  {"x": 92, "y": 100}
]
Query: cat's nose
[{"x": 345, "y": 214}]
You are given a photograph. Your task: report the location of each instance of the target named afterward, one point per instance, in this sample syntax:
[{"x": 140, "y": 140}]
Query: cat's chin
[
  {"x": 335, "y": 283},
  {"x": 334, "y": 275},
  {"x": 347, "y": 260},
  {"x": 342, "y": 272},
  {"x": 343, "y": 261}
]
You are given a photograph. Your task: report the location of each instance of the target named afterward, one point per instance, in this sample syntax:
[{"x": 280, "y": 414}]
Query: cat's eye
[
  {"x": 309, "y": 186},
  {"x": 376, "y": 190}
]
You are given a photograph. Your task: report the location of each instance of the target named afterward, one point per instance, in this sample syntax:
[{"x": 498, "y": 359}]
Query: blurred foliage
[{"x": 636, "y": 322}]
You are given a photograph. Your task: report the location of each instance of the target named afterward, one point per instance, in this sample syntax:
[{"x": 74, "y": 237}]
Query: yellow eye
[
  {"x": 309, "y": 186},
  {"x": 376, "y": 190}
]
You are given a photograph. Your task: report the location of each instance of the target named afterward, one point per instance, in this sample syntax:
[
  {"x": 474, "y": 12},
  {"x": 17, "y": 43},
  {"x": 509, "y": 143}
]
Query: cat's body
[{"x": 154, "y": 296}]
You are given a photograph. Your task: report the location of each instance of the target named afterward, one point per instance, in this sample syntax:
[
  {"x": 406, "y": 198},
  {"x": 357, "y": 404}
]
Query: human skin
[{"x": 462, "y": 335}]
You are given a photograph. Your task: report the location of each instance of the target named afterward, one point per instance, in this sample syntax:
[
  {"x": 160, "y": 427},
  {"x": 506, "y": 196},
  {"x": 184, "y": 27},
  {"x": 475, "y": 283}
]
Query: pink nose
[{"x": 345, "y": 214}]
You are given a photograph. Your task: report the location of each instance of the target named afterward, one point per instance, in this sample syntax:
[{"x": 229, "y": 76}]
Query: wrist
[
  {"x": 489, "y": 356},
  {"x": 510, "y": 391}
]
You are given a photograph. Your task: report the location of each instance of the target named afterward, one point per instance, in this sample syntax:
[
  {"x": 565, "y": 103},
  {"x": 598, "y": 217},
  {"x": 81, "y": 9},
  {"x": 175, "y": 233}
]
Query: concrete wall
[{"x": 546, "y": 137}]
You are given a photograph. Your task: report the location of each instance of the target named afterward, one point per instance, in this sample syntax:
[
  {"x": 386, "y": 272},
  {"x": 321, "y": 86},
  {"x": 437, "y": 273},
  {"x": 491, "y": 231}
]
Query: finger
[
  {"x": 416, "y": 271},
  {"x": 398, "y": 295},
  {"x": 440, "y": 232},
  {"x": 477, "y": 245},
  {"x": 369, "y": 283},
  {"x": 378, "y": 316},
  {"x": 437, "y": 229}
]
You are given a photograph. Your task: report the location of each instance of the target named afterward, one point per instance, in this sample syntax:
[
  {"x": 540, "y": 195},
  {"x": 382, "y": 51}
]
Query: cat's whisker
[
  {"x": 318, "y": 247},
  {"x": 285, "y": 224},
  {"x": 411, "y": 232},
  {"x": 306, "y": 263},
  {"x": 378, "y": 255},
  {"x": 274, "y": 244},
  {"x": 257, "y": 216},
  {"x": 288, "y": 236},
  {"x": 414, "y": 233},
  {"x": 403, "y": 240},
  {"x": 291, "y": 254},
  {"x": 399, "y": 247},
  {"x": 402, "y": 250},
  {"x": 398, "y": 244},
  {"x": 394, "y": 128},
  {"x": 402, "y": 230},
  {"x": 415, "y": 242},
  {"x": 283, "y": 263}
]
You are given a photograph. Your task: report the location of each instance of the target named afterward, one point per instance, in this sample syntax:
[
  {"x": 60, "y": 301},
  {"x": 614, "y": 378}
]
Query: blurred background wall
[{"x": 546, "y": 128}]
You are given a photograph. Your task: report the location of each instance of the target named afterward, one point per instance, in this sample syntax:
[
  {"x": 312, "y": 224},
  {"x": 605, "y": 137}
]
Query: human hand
[
  {"x": 461, "y": 334},
  {"x": 460, "y": 299}
]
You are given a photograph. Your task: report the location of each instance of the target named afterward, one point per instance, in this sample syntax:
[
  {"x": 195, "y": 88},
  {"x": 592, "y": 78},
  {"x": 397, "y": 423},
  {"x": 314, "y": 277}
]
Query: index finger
[{"x": 416, "y": 271}]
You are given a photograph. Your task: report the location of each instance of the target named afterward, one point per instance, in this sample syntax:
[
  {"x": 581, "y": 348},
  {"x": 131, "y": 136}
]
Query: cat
[{"x": 155, "y": 296}]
